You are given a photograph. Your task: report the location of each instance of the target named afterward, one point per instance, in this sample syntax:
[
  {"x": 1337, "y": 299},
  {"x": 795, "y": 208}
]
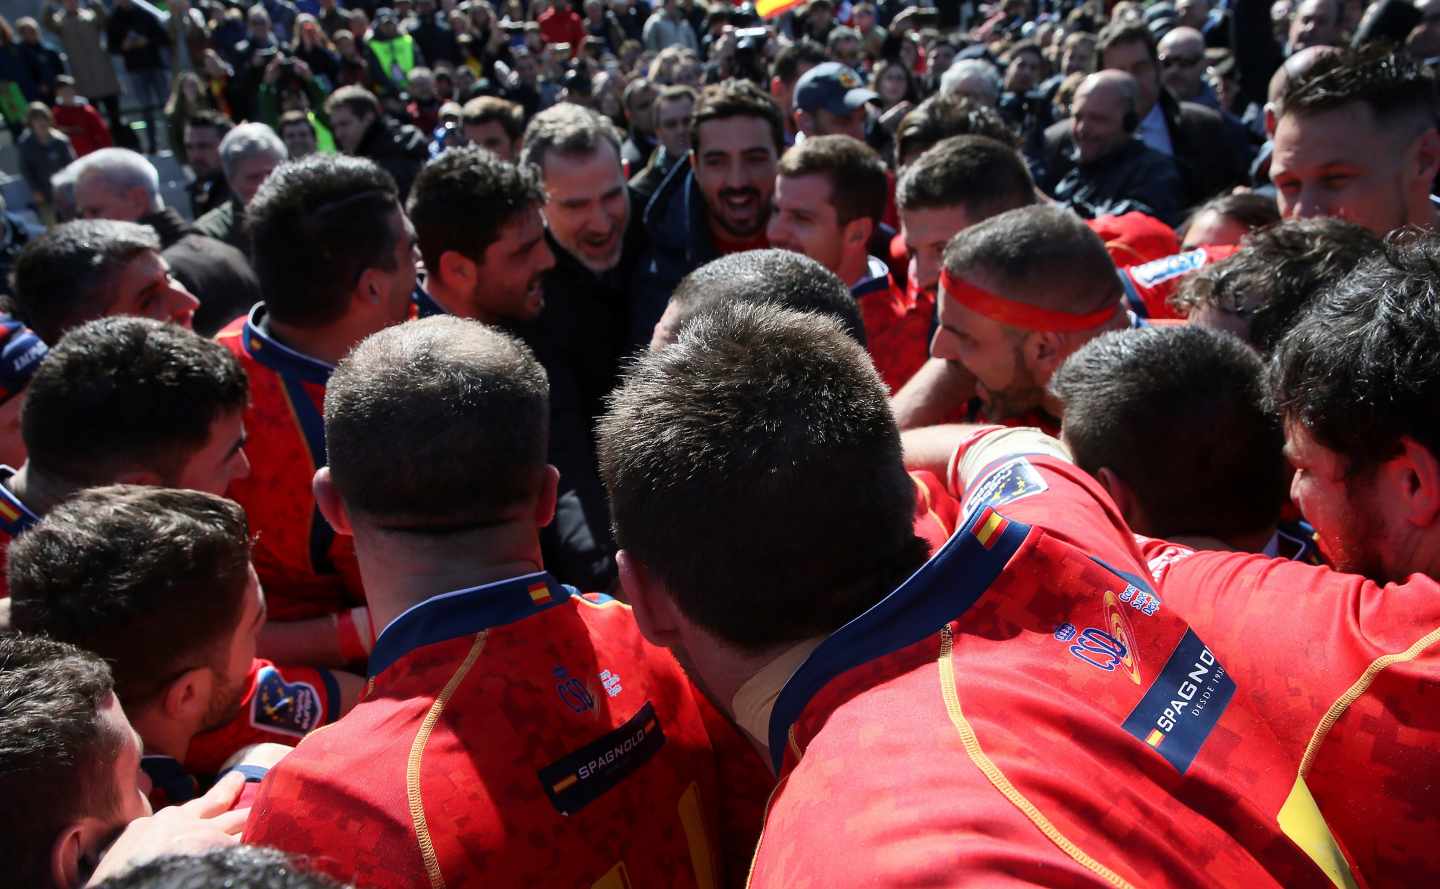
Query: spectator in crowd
[
  {"x": 940, "y": 117},
  {"x": 44, "y": 64},
  {"x": 203, "y": 132},
  {"x": 44, "y": 151},
  {"x": 1260, "y": 291},
  {"x": 78, "y": 119},
  {"x": 418, "y": 536},
  {"x": 832, "y": 100},
  {"x": 1182, "y": 60},
  {"x": 189, "y": 36},
  {"x": 561, "y": 24},
  {"x": 674, "y": 109},
  {"x": 639, "y": 102},
  {"x": 248, "y": 155},
  {"x": 1115, "y": 172},
  {"x": 114, "y": 183},
  {"x": 790, "y": 63},
  {"x": 433, "y": 37},
  {"x": 363, "y": 130},
  {"x": 1207, "y": 155},
  {"x": 1228, "y": 218},
  {"x": 346, "y": 212},
  {"x": 80, "y": 27},
  {"x": 1355, "y": 137},
  {"x": 392, "y": 54},
  {"x": 973, "y": 79},
  {"x": 495, "y": 125},
  {"x": 1196, "y": 397},
  {"x": 298, "y": 134},
  {"x": 313, "y": 48},
  {"x": 423, "y": 109},
  {"x": 113, "y": 566},
  {"x": 717, "y": 204},
  {"x": 667, "y": 27},
  {"x": 134, "y": 33},
  {"x": 90, "y": 269}
]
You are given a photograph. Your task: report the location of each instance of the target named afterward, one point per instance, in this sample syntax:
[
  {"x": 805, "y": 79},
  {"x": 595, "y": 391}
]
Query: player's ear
[
  {"x": 1413, "y": 481},
  {"x": 327, "y": 500},
  {"x": 187, "y": 697},
  {"x": 859, "y": 230},
  {"x": 549, "y": 495},
  {"x": 456, "y": 270},
  {"x": 650, "y": 601},
  {"x": 1044, "y": 350},
  {"x": 66, "y": 868}
]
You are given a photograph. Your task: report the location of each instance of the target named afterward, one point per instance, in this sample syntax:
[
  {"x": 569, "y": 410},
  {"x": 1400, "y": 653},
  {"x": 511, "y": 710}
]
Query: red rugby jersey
[
  {"x": 519, "y": 734},
  {"x": 937, "y": 514},
  {"x": 1348, "y": 670},
  {"x": 1148, "y": 287},
  {"x": 306, "y": 568},
  {"x": 898, "y": 325},
  {"x": 1025, "y": 709}
]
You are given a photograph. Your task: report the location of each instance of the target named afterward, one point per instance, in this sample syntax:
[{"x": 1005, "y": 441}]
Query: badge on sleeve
[
  {"x": 291, "y": 708},
  {"x": 1012, "y": 480}
]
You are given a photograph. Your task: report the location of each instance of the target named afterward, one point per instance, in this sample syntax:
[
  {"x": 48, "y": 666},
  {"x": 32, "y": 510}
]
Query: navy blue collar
[
  {"x": 15, "y": 517},
  {"x": 426, "y": 303},
  {"x": 166, "y": 773},
  {"x": 463, "y": 612},
  {"x": 940, "y": 591},
  {"x": 282, "y": 359}
]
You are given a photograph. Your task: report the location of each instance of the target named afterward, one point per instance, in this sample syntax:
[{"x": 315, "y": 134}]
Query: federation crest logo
[
  {"x": 1119, "y": 627},
  {"x": 1162, "y": 270},
  {"x": 573, "y": 692},
  {"x": 1013, "y": 480},
  {"x": 290, "y": 708}
]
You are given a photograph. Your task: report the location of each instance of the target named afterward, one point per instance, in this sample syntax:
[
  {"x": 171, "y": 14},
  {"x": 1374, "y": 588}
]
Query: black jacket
[
  {"x": 1207, "y": 154},
  {"x": 679, "y": 242},
  {"x": 1136, "y": 177},
  {"x": 399, "y": 149},
  {"x": 218, "y": 274},
  {"x": 133, "y": 19}
]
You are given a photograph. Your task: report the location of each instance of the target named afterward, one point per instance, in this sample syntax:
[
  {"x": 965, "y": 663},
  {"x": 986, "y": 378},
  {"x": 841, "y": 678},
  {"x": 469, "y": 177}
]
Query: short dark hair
[
  {"x": 289, "y": 118},
  {"x": 1146, "y": 402},
  {"x": 252, "y": 867},
  {"x": 413, "y": 428},
  {"x": 944, "y": 115},
  {"x": 124, "y": 393},
  {"x": 1361, "y": 368},
  {"x": 316, "y": 225},
  {"x": 567, "y": 128},
  {"x": 1391, "y": 84},
  {"x": 975, "y": 172},
  {"x": 859, "y": 188},
  {"x": 804, "y": 51},
  {"x": 1248, "y": 208},
  {"x": 677, "y": 91},
  {"x": 1276, "y": 273},
  {"x": 769, "y": 277},
  {"x": 55, "y": 753},
  {"x": 484, "y": 109},
  {"x": 205, "y": 117},
  {"x": 737, "y": 98},
  {"x": 1022, "y": 251},
  {"x": 462, "y": 199},
  {"x": 66, "y": 276},
  {"x": 719, "y": 452},
  {"x": 1126, "y": 31},
  {"x": 115, "y": 569},
  {"x": 355, "y": 99}
]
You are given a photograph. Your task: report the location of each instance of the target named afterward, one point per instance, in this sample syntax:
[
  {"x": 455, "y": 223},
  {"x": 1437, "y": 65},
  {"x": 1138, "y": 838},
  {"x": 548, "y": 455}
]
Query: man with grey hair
[
  {"x": 1114, "y": 171},
  {"x": 117, "y": 183},
  {"x": 973, "y": 79},
  {"x": 248, "y": 154}
]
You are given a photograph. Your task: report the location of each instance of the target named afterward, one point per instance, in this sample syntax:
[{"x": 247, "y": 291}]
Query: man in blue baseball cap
[{"x": 831, "y": 100}]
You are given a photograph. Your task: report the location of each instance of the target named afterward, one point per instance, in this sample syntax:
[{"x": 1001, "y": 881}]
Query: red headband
[{"x": 1018, "y": 314}]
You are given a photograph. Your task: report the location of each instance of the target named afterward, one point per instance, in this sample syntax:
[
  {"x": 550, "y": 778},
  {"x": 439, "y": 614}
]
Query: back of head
[
  {"x": 125, "y": 394},
  {"x": 65, "y": 277},
  {"x": 151, "y": 579},
  {"x": 942, "y": 116},
  {"x": 1398, "y": 91},
  {"x": 802, "y": 53},
  {"x": 207, "y": 118},
  {"x": 737, "y": 98},
  {"x": 55, "y": 751},
  {"x": 412, "y": 433},
  {"x": 975, "y": 172},
  {"x": 248, "y": 866},
  {"x": 316, "y": 225},
  {"x": 246, "y": 141},
  {"x": 1361, "y": 368},
  {"x": 1122, "y": 31},
  {"x": 1179, "y": 414},
  {"x": 859, "y": 187},
  {"x": 1043, "y": 256},
  {"x": 1264, "y": 286},
  {"x": 119, "y": 170},
  {"x": 1246, "y": 210},
  {"x": 720, "y": 452},
  {"x": 486, "y": 109},
  {"x": 975, "y": 79},
  {"x": 353, "y": 98},
  {"x": 768, "y": 277},
  {"x": 567, "y": 128},
  {"x": 462, "y": 199}
]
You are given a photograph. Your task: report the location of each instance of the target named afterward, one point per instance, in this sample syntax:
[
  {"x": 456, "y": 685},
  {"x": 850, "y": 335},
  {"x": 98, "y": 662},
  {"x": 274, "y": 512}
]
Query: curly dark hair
[
  {"x": 944, "y": 115},
  {"x": 462, "y": 199}
]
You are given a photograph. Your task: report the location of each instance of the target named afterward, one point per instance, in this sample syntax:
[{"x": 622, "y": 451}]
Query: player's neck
[
  {"x": 458, "y": 302},
  {"x": 328, "y": 343},
  {"x": 404, "y": 569},
  {"x": 38, "y": 492},
  {"x": 162, "y": 736},
  {"x": 854, "y": 268}
]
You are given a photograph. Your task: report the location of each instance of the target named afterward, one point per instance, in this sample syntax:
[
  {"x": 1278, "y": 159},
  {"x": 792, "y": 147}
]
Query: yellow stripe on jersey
[
  {"x": 616, "y": 877},
  {"x": 565, "y": 783},
  {"x": 697, "y": 836},
  {"x": 9, "y": 511},
  {"x": 1300, "y": 820}
]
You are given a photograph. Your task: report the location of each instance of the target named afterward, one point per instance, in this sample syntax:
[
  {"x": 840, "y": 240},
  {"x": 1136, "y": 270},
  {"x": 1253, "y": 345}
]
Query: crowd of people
[{"x": 807, "y": 445}]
